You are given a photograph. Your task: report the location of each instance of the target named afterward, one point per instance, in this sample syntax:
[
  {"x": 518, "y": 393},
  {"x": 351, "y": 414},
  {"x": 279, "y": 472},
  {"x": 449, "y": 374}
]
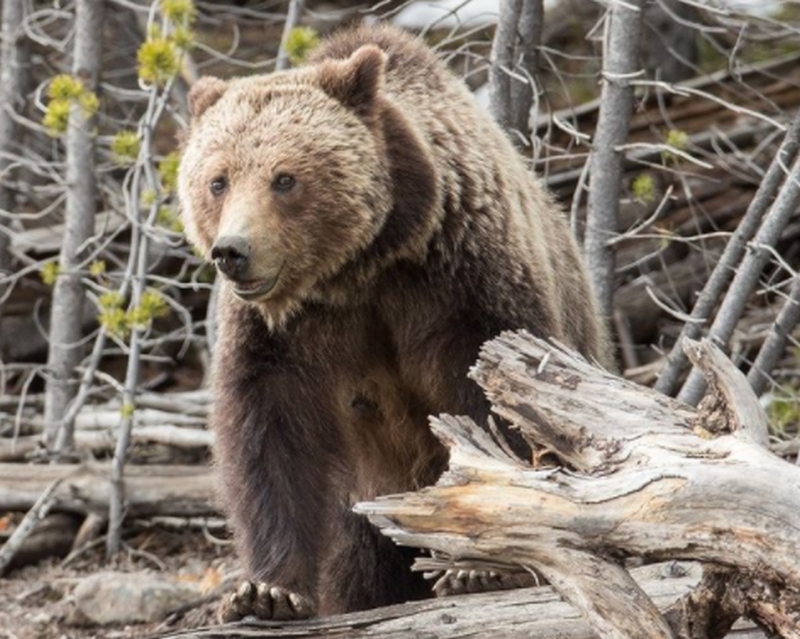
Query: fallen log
[
  {"x": 640, "y": 475},
  {"x": 20, "y": 448},
  {"x": 530, "y": 613},
  {"x": 184, "y": 491}
]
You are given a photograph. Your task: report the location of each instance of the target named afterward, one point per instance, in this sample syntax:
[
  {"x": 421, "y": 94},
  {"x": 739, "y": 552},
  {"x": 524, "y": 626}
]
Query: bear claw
[
  {"x": 264, "y": 601},
  {"x": 462, "y": 582}
]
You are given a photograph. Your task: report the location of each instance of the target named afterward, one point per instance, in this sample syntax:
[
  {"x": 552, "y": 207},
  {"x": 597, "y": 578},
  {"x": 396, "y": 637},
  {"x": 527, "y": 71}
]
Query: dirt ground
[{"x": 36, "y": 601}]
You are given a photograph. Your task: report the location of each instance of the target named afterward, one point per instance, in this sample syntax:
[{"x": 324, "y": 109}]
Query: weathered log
[
  {"x": 643, "y": 476},
  {"x": 531, "y": 613},
  {"x": 20, "y": 448},
  {"x": 186, "y": 491}
]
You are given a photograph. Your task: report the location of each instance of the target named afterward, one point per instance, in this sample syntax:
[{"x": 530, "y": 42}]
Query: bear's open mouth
[{"x": 255, "y": 289}]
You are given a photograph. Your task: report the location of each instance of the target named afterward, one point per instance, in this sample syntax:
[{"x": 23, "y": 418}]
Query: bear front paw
[
  {"x": 264, "y": 601},
  {"x": 462, "y": 582}
]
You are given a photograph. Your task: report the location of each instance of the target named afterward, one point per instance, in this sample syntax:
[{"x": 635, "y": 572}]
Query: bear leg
[{"x": 366, "y": 570}]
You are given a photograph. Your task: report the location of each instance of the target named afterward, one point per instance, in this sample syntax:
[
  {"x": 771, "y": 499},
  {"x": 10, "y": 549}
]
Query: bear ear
[
  {"x": 355, "y": 82},
  {"x": 204, "y": 94}
]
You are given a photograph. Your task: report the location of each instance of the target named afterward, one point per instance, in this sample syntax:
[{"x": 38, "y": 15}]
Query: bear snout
[{"x": 231, "y": 255}]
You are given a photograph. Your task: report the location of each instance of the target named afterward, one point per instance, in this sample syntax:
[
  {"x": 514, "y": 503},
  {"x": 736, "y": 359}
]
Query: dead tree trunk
[
  {"x": 68, "y": 293},
  {"x": 620, "y": 65},
  {"x": 11, "y": 83},
  {"x": 647, "y": 478},
  {"x": 514, "y": 60}
]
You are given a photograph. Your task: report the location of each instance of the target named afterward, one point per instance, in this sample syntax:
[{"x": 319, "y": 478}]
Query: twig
[{"x": 26, "y": 526}]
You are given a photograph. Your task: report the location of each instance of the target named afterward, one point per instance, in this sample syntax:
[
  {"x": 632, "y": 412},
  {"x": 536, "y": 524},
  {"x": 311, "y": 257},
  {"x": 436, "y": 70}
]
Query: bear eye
[
  {"x": 219, "y": 184},
  {"x": 283, "y": 182}
]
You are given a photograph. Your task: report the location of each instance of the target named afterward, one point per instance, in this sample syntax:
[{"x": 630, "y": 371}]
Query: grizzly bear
[{"x": 372, "y": 227}]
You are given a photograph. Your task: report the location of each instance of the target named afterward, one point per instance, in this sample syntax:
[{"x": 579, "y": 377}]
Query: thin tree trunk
[
  {"x": 623, "y": 29},
  {"x": 748, "y": 274},
  {"x": 11, "y": 90},
  {"x": 68, "y": 294},
  {"x": 292, "y": 20},
  {"x": 725, "y": 268},
  {"x": 531, "y": 21},
  {"x": 775, "y": 343},
  {"x": 514, "y": 59}
]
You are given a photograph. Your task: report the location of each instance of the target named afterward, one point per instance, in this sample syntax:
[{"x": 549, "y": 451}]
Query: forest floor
[{"x": 38, "y": 602}]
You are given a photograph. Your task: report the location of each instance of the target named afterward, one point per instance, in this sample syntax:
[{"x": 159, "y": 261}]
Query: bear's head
[{"x": 287, "y": 180}]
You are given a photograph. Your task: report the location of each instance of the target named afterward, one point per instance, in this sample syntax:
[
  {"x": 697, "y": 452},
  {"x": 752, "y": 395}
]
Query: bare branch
[
  {"x": 748, "y": 274},
  {"x": 734, "y": 251},
  {"x": 34, "y": 516}
]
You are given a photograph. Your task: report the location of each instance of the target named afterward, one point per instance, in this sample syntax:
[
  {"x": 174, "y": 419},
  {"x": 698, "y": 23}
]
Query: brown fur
[{"x": 413, "y": 234}]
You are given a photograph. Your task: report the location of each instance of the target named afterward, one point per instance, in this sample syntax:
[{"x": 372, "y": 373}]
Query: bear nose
[{"x": 231, "y": 256}]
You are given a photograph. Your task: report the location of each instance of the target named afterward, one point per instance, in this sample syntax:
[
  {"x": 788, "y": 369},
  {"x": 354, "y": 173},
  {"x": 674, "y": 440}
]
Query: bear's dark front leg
[
  {"x": 274, "y": 446},
  {"x": 363, "y": 569}
]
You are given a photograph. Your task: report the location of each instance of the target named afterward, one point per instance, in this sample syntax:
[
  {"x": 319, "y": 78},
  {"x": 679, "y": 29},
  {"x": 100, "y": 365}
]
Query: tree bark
[
  {"x": 647, "y": 478},
  {"x": 620, "y": 64},
  {"x": 186, "y": 491},
  {"x": 775, "y": 344},
  {"x": 514, "y": 60},
  {"x": 530, "y": 613},
  {"x": 68, "y": 293},
  {"x": 734, "y": 251},
  {"x": 747, "y": 275},
  {"x": 11, "y": 93}
]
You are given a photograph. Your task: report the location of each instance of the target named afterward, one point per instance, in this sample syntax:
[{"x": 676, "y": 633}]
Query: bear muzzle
[{"x": 231, "y": 256}]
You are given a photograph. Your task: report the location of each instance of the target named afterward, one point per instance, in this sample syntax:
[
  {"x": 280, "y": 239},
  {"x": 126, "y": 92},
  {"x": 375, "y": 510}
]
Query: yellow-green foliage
[
  {"x": 64, "y": 87},
  {"x": 116, "y": 320},
  {"x": 159, "y": 60},
  {"x": 783, "y": 411},
  {"x": 147, "y": 198},
  {"x": 56, "y": 117},
  {"x": 62, "y": 91},
  {"x": 49, "y": 273},
  {"x": 179, "y": 11},
  {"x": 167, "y": 218},
  {"x": 678, "y": 140},
  {"x": 300, "y": 42},
  {"x": 111, "y": 299},
  {"x": 154, "y": 304},
  {"x": 126, "y": 411},
  {"x": 643, "y": 188},
  {"x": 168, "y": 171},
  {"x": 125, "y": 147},
  {"x": 183, "y": 38},
  {"x": 97, "y": 268},
  {"x": 151, "y": 305},
  {"x": 112, "y": 316},
  {"x": 89, "y": 102}
]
